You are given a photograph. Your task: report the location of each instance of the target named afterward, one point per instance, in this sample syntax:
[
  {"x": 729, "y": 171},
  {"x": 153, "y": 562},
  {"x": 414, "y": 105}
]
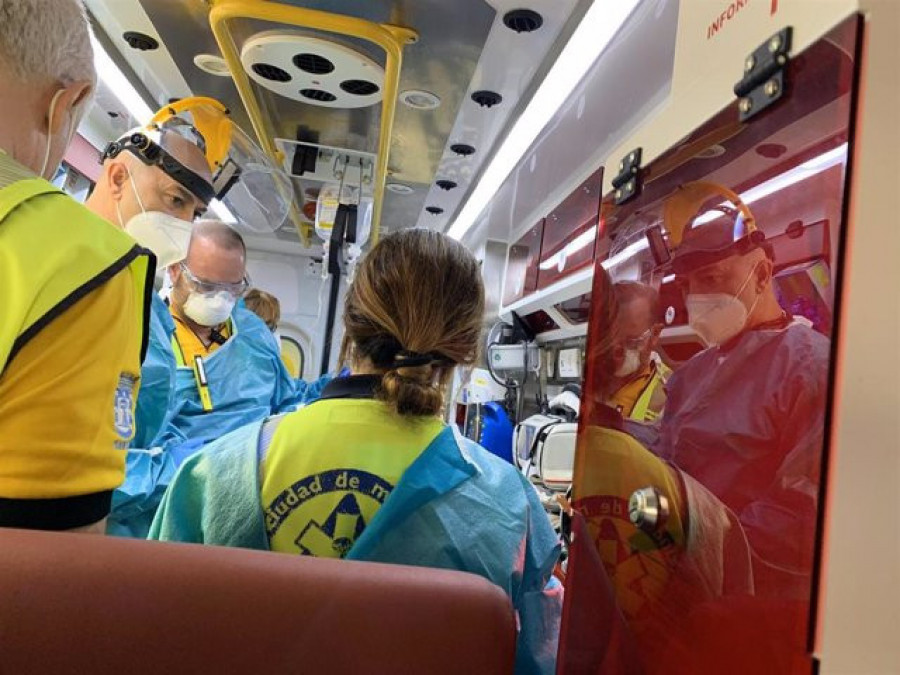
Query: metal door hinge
[
  {"x": 628, "y": 181},
  {"x": 764, "y": 75}
]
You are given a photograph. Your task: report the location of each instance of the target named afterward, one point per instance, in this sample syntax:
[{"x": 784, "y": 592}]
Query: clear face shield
[{"x": 256, "y": 193}]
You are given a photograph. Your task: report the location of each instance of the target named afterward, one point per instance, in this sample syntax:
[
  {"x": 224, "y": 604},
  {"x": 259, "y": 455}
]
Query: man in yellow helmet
[
  {"x": 154, "y": 183},
  {"x": 73, "y": 289}
]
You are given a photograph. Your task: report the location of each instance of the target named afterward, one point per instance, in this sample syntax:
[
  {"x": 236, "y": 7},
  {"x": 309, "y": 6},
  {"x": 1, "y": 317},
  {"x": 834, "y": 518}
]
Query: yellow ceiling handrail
[{"x": 389, "y": 37}]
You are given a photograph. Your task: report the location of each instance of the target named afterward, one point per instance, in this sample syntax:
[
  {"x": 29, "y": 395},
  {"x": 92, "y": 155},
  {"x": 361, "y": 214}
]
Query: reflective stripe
[
  {"x": 53, "y": 252},
  {"x": 641, "y": 411}
]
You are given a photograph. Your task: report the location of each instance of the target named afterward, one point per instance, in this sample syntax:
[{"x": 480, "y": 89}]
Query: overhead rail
[{"x": 388, "y": 37}]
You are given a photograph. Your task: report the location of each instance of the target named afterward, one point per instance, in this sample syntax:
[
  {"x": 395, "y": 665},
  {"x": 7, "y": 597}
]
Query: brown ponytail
[{"x": 415, "y": 311}]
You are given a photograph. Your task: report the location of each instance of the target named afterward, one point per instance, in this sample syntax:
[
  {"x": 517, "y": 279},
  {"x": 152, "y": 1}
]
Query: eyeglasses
[
  {"x": 201, "y": 286},
  {"x": 639, "y": 341}
]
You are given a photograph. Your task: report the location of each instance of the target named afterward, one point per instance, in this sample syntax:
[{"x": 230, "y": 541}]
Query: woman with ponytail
[{"x": 370, "y": 471}]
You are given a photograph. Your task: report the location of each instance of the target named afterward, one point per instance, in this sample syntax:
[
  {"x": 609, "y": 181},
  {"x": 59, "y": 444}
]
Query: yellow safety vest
[
  {"x": 55, "y": 253},
  {"x": 47, "y": 280},
  {"x": 609, "y": 467},
  {"x": 651, "y": 386},
  {"x": 320, "y": 489}
]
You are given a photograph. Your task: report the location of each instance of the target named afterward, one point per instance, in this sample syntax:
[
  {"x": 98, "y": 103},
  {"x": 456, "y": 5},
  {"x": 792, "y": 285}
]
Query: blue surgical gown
[
  {"x": 248, "y": 382},
  {"x": 748, "y": 423},
  {"x": 148, "y": 467},
  {"x": 456, "y": 507}
]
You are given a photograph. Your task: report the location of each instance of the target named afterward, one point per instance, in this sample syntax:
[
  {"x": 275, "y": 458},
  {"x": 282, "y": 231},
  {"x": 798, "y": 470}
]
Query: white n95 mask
[
  {"x": 631, "y": 363},
  {"x": 209, "y": 309},
  {"x": 168, "y": 237},
  {"x": 716, "y": 317}
]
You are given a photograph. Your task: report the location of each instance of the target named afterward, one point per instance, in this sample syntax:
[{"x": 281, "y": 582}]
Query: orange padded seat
[{"x": 79, "y": 603}]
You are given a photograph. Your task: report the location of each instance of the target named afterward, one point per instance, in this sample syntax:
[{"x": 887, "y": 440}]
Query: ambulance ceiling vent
[
  {"x": 312, "y": 70},
  {"x": 523, "y": 20}
]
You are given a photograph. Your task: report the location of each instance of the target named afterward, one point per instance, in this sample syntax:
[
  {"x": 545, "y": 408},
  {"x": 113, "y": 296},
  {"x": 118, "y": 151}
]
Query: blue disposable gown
[
  {"x": 160, "y": 443},
  {"x": 148, "y": 467},
  {"x": 156, "y": 397},
  {"x": 748, "y": 423},
  {"x": 247, "y": 382},
  {"x": 456, "y": 507}
]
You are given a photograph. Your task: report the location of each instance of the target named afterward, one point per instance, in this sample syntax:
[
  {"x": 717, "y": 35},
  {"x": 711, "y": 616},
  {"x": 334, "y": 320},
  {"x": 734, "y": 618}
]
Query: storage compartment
[
  {"x": 570, "y": 232},
  {"x": 522, "y": 265}
]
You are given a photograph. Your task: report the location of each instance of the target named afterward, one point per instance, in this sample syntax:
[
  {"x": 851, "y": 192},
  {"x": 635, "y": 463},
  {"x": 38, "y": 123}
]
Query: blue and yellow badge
[
  {"x": 324, "y": 514},
  {"x": 123, "y": 409}
]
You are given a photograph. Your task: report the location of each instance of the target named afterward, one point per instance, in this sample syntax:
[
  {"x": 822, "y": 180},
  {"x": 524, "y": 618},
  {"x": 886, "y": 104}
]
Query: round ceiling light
[
  {"x": 420, "y": 99},
  {"x": 399, "y": 188},
  {"x": 212, "y": 64}
]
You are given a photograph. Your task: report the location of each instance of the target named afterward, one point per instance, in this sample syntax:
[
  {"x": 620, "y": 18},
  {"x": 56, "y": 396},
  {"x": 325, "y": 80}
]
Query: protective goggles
[
  {"x": 151, "y": 153},
  {"x": 201, "y": 286}
]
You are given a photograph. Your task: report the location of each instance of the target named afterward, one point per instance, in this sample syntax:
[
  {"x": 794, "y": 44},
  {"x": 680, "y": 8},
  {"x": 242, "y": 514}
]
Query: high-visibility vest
[
  {"x": 45, "y": 279},
  {"x": 55, "y": 254}
]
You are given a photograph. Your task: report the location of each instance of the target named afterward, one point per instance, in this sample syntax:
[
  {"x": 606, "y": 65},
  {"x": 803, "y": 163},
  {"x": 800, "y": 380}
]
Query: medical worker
[
  {"x": 370, "y": 472},
  {"x": 639, "y": 375},
  {"x": 230, "y": 371},
  {"x": 144, "y": 189},
  {"x": 745, "y": 418},
  {"x": 73, "y": 289}
]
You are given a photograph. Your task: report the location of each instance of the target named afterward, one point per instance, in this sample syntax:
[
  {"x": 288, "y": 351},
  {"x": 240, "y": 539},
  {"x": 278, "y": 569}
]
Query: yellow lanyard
[
  {"x": 199, "y": 369},
  {"x": 202, "y": 383}
]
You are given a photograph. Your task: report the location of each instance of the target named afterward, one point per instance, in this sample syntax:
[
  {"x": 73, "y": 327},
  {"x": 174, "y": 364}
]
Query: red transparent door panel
[
  {"x": 570, "y": 232},
  {"x": 522, "y": 267},
  {"x": 717, "y": 301}
]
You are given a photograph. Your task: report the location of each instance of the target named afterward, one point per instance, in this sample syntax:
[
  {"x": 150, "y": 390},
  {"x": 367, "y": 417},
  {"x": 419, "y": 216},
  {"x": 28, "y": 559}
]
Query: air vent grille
[
  {"x": 523, "y": 20},
  {"x": 313, "y": 63},
  {"x": 270, "y": 72},
  {"x": 318, "y": 95},
  {"x": 359, "y": 87}
]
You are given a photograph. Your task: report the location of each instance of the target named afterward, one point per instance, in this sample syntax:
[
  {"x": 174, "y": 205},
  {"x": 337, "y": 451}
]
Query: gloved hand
[
  {"x": 345, "y": 372},
  {"x": 182, "y": 451}
]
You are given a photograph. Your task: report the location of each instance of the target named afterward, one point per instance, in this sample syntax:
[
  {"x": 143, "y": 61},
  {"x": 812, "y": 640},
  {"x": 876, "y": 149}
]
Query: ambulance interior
[{"x": 555, "y": 138}]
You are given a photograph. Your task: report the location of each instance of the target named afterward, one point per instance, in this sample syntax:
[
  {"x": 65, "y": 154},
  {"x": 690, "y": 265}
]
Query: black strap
[
  {"x": 64, "y": 513},
  {"x": 353, "y": 387},
  {"x": 92, "y": 284}
]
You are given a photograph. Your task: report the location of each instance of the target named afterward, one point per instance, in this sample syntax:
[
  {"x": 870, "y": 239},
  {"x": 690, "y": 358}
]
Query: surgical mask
[
  {"x": 718, "y": 317},
  {"x": 167, "y": 236},
  {"x": 631, "y": 363},
  {"x": 49, "y": 146},
  {"x": 209, "y": 309}
]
